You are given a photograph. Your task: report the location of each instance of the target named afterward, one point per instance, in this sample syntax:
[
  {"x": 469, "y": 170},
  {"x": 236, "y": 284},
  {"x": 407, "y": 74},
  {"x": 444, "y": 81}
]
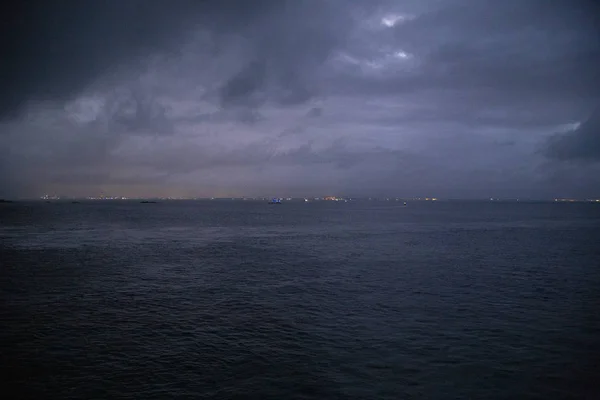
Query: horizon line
[{"x": 310, "y": 198}]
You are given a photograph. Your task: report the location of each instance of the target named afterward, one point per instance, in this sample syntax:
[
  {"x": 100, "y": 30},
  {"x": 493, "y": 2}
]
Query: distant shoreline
[{"x": 301, "y": 199}]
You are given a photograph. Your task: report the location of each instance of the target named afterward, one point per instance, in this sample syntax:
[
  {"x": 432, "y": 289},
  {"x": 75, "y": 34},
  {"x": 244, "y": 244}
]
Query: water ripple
[{"x": 227, "y": 301}]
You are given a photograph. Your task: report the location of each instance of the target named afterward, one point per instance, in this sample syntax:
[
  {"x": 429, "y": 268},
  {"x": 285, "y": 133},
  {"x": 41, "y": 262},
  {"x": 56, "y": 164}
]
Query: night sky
[{"x": 445, "y": 98}]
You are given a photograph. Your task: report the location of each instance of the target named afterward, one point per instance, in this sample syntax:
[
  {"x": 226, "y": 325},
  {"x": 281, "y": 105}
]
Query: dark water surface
[{"x": 364, "y": 300}]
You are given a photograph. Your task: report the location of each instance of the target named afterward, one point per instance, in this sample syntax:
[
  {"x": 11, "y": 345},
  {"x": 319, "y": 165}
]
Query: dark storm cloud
[
  {"x": 245, "y": 86},
  {"x": 289, "y": 45},
  {"x": 579, "y": 144},
  {"x": 54, "y": 49},
  {"x": 499, "y": 52},
  {"x": 400, "y": 97},
  {"x": 236, "y": 114},
  {"x": 132, "y": 110},
  {"x": 315, "y": 112}
]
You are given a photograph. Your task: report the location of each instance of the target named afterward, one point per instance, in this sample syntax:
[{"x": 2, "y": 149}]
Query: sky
[{"x": 442, "y": 98}]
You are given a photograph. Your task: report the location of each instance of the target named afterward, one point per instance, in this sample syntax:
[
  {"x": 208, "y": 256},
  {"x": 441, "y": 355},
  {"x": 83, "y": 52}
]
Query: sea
[{"x": 231, "y": 299}]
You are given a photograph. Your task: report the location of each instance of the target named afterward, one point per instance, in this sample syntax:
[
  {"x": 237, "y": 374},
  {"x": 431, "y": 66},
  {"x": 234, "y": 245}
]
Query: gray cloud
[
  {"x": 438, "y": 97},
  {"x": 245, "y": 86},
  {"x": 78, "y": 41},
  {"x": 131, "y": 110},
  {"x": 518, "y": 51},
  {"x": 579, "y": 144},
  {"x": 315, "y": 112}
]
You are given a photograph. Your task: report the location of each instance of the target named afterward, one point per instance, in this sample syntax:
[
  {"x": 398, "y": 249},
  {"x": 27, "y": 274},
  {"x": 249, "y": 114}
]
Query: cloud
[
  {"x": 123, "y": 110},
  {"x": 518, "y": 51},
  {"x": 315, "y": 112},
  {"x": 75, "y": 42},
  {"x": 245, "y": 86},
  {"x": 444, "y": 97},
  {"x": 581, "y": 143}
]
